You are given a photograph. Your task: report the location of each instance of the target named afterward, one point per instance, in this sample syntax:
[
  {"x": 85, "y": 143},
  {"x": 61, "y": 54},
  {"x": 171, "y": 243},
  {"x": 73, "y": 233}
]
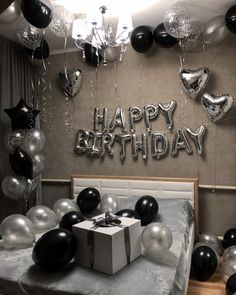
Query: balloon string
[
  {"x": 115, "y": 84},
  {"x": 141, "y": 83},
  {"x": 92, "y": 96},
  {"x": 21, "y": 286}
]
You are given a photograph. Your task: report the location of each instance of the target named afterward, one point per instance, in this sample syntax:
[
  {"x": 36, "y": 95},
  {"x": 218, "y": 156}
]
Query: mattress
[{"x": 164, "y": 275}]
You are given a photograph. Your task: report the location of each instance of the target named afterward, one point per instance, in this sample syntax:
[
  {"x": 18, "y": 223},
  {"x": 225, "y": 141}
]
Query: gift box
[{"x": 107, "y": 243}]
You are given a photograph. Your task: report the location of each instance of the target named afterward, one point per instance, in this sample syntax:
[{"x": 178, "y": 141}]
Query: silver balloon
[
  {"x": 229, "y": 254},
  {"x": 137, "y": 146},
  {"x": 82, "y": 141},
  {"x": 159, "y": 145},
  {"x": 123, "y": 139},
  {"x": 14, "y": 187},
  {"x": 14, "y": 139},
  {"x": 101, "y": 119},
  {"x": 194, "y": 81},
  {"x": 217, "y": 106},
  {"x": 17, "y": 231},
  {"x": 63, "y": 206},
  {"x": 215, "y": 30},
  {"x": 118, "y": 120},
  {"x": 28, "y": 35},
  {"x": 61, "y": 24},
  {"x": 211, "y": 240},
  {"x": 42, "y": 218},
  {"x": 34, "y": 141},
  {"x": 110, "y": 54},
  {"x": 107, "y": 144},
  {"x": 11, "y": 14},
  {"x": 38, "y": 164},
  {"x": 150, "y": 113},
  {"x": 135, "y": 115},
  {"x": 109, "y": 203},
  {"x": 70, "y": 82},
  {"x": 32, "y": 185},
  {"x": 197, "y": 137},
  {"x": 167, "y": 111},
  {"x": 156, "y": 237},
  {"x": 177, "y": 20},
  {"x": 192, "y": 40},
  {"x": 180, "y": 142},
  {"x": 96, "y": 146},
  {"x": 227, "y": 269}
]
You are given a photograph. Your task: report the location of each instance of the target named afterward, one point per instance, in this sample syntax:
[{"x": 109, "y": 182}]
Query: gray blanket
[{"x": 145, "y": 276}]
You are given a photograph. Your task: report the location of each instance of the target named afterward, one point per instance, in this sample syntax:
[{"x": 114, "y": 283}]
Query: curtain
[{"x": 17, "y": 80}]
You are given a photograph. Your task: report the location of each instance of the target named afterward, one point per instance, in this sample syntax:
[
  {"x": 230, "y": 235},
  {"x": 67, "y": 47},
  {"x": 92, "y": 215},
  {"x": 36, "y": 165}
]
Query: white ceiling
[{"x": 150, "y": 14}]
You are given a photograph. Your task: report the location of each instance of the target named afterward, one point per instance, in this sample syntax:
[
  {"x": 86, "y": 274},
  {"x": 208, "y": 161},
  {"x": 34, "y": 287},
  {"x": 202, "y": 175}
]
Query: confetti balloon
[{"x": 61, "y": 24}]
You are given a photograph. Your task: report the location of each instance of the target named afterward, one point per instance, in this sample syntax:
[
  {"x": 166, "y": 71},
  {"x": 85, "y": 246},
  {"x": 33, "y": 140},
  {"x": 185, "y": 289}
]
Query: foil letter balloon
[
  {"x": 135, "y": 114},
  {"x": 194, "y": 81},
  {"x": 107, "y": 143},
  {"x": 118, "y": 120},
  {"x": 150, "y": 113},
  {"x": 180, "y": 142},
  {"x": 95, "y": 148},
  {"x": 167, "y": 111},
  {"x": 159, "y": 145},
  {"x": 197, "y": 137},
  {"x": 139, "y": 145},
  {"x": 123, "y": 139},
  {"x": 217, "y": 106},
  {"x": 100, "y": 119},
  {"x": 70, "y": 82},
  {"x": 82, "y": 141}
]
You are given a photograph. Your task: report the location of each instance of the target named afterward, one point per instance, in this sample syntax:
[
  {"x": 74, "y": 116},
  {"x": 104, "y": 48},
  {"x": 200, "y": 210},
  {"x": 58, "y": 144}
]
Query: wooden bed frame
[{"x": 160, "y": 179}]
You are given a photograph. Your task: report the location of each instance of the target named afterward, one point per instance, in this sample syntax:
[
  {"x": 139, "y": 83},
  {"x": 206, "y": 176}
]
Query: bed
[{"x": 144, "y": 276}]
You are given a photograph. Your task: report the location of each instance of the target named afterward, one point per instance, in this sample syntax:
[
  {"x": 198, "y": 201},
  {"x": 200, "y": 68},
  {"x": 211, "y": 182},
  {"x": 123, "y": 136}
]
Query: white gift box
[{"x": 107, "y": 249}]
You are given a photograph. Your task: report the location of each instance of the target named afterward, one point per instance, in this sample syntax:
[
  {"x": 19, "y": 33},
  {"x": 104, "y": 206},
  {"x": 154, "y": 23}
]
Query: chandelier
[{"x": 102, "y": 36}]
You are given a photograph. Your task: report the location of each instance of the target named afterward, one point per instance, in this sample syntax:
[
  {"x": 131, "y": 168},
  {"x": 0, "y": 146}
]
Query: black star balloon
[
  {"x": 21, "y": 163},
  {"x": 22, "y": 116}
]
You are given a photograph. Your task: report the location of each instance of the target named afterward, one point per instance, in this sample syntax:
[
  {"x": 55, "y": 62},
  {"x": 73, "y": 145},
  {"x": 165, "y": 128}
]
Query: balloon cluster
[
  {"x": 181, "y": 26},
  {"x": 205, "y": 258},
  {"x": 25, "y": 144}
]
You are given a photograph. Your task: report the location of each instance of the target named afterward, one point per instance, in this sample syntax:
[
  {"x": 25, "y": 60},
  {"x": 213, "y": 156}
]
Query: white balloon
[
  {"x": 61, "y": 24},
  {"x": 215, "y": 30},
  {"x": 14, "y": 187},
  {"x": 38, "y": 164},
  {"x": 42, "y": 217},
  {"x": 34, "y": 141},
  {"x": 156, "y": 237},
  {"x": 228, "y": 268},
  {"x": 17, "y": 231},
  {"x": 109, "y": 203},
  {"x": 63, "y": 206},
  {"x": 229, "y": 254},
  {"x": 11, "y": 14}
]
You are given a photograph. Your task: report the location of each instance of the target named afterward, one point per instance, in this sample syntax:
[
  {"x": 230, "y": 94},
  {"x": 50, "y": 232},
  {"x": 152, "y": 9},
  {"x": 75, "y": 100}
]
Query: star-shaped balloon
[{"x": 22, "y": 116}]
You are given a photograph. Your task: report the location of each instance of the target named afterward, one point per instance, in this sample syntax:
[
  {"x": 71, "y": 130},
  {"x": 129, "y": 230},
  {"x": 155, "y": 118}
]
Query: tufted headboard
[{"x": 128, "y": 186}]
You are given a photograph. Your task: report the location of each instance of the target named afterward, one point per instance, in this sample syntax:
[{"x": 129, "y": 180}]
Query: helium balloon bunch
[{"x": 25, "y": 144}]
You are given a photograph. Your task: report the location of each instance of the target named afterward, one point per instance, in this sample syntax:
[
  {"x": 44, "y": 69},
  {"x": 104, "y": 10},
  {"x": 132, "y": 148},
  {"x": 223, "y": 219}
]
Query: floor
[{"x": 214, "y": 286}]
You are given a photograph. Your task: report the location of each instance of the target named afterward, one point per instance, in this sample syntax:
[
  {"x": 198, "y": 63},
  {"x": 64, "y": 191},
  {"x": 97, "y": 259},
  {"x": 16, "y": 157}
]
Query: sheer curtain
[{"x": 17, "y": 80}]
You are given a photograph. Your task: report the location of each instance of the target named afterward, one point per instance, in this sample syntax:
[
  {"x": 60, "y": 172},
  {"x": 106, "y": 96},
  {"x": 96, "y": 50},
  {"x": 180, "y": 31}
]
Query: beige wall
[{"x": 142, "y": 80}]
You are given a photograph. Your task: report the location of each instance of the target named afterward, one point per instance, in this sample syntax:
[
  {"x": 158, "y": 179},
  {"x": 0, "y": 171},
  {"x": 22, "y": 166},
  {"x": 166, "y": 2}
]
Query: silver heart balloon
[
  {"x": 194, "y": 81},
  {"x": 70, "y": 82},
  {"x": 217, "y": 106}
]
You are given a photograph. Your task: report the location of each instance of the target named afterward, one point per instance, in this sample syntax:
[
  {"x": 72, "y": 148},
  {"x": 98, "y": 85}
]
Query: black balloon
[
  {"x": 37, "y": 13},
  {"x": 162, "y": 38},
  {"x": 22, "y": 116},
  {"x": 54, "y": 249},
  {"x": 229, "y": 238},
  {"x": 141, "y": 39},
  {"x": 92, "y": 57},
  {"x": 41, "y": 52},
  {"x": 147, "y": 208},
  {"x": 88, "y": 199},
  {"x": 128, "y": 213},
  {"x": 204, "y": 262},
  {"x": 70, "y": 219},
  {"x": 231, "y": 284},
  {"x": 21, "y": 163},
  {"x": 230, "y": 19}
]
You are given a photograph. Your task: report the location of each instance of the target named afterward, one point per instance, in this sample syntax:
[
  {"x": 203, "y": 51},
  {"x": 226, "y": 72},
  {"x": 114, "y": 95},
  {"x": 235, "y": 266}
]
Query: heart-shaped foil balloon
[
  {"x": 217, "y": 106},
  {"x": 70, "y": 82},
  {"x": 194, "y": 81}
]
